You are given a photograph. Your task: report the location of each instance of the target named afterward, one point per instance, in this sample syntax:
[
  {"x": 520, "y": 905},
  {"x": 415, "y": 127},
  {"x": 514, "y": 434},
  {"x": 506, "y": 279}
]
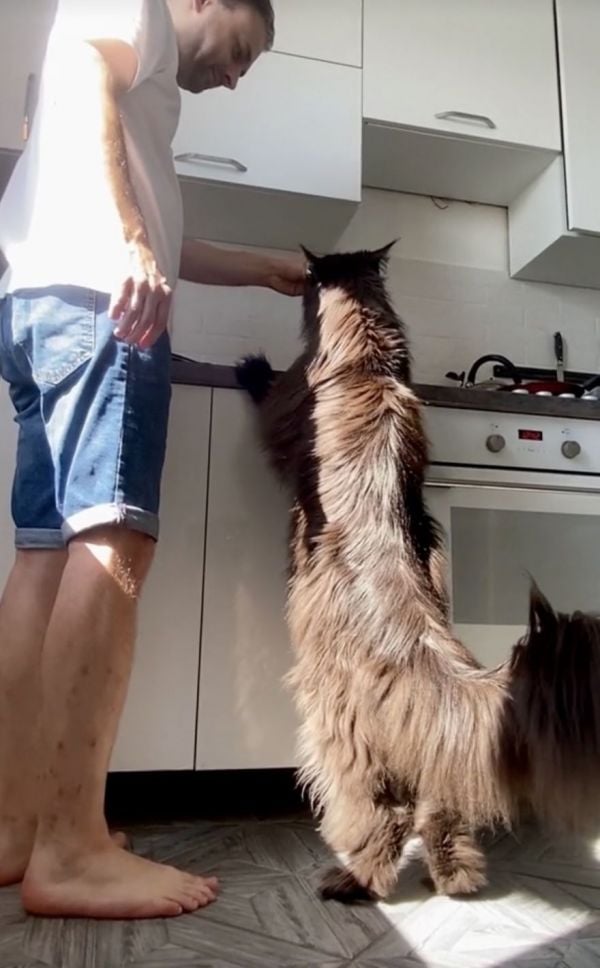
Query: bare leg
[
  {"x": 75, "y": 869},
  {"x": 24, "y": 614}
]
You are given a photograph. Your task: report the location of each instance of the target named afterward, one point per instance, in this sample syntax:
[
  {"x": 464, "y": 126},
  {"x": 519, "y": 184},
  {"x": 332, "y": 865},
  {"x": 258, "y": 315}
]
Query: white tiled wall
[{"x": 448, "y": 276}]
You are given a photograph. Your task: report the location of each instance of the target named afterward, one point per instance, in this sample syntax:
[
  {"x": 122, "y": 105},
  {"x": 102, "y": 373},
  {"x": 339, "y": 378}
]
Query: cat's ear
[
  {"x": 311, "y": 262},
  {"x": 382, "y": 256}
]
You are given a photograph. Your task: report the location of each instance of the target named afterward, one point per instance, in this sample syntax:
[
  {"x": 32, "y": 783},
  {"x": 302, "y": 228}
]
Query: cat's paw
[
  {"x": 462, "y": 880},
  {"x": 340, "y": 884}
]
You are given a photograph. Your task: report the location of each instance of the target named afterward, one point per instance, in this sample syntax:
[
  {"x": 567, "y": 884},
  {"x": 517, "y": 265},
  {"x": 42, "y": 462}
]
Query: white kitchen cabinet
[
  {"x": 493, "y": 61},
  {"x": 24, "y": 29},
  {"x": 245, "y": 717},
  {"x": 330, "y": 31},
  {"x": 284, "y": 151},
  {"x": 554, "y": 223},
  {"x": 461, "y": 98},
  {"x": 157, "y": 731},
  {"x": 541, "y": 246},
  {"x": 578, "y": 26},
  {"x": 292, "y": 125}
]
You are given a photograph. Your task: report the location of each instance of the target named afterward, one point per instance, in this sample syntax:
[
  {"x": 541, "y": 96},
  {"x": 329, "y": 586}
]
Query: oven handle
[{"x": 529, "y": 488}]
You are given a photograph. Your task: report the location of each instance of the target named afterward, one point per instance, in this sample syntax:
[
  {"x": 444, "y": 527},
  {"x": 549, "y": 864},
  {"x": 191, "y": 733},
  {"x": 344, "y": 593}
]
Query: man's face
[{"x": 222, "y": 45}]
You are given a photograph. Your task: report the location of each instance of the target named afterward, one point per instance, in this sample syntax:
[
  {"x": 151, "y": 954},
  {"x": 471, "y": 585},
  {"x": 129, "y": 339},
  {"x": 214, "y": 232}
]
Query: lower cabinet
[
  {"x": 158, "y": 727},
  {"x": 212, "y": 647},
  {"x": 245, "y": 716}
]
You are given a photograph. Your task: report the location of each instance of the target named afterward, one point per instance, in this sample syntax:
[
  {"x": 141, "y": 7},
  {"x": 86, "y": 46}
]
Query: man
[{"x": 91, "y": 230}]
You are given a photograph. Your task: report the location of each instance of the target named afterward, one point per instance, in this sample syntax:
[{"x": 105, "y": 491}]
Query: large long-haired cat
[{"x": 403, "y": 731}]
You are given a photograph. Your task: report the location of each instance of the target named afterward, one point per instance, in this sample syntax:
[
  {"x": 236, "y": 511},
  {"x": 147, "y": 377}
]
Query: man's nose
[{"x": 231, "y": 79}]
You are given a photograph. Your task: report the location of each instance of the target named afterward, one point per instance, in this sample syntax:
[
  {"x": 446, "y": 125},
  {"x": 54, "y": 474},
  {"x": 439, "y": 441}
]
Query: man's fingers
[
  {"x": 141, "y": 311},
  {"x": 161, "y": 320},
  {"x": 145, "y": 319},
  {"x": 120, "y": 301},
  {"x": 131, "y": 317}
]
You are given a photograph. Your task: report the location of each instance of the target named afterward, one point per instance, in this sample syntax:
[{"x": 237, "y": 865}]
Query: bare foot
[
  {"x": 120, "y": 839},
  {"x": 110, "y": 883},
  {"x": 16, "y": 844}
]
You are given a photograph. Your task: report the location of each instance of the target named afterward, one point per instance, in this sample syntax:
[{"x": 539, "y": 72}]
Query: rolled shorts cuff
[
  {"x": 123, "y": 515},
  {"x": 39, "y": 539}
]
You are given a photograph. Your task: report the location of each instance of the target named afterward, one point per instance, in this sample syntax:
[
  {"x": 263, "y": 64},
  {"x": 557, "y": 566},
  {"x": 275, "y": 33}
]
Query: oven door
[{"x": 498, "y": 539}]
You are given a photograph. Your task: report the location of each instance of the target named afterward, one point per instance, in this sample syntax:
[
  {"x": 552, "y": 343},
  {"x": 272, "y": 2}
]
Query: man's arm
[
  {"x": 212, "y": 266},
  {"x": 140, "y": 306}
]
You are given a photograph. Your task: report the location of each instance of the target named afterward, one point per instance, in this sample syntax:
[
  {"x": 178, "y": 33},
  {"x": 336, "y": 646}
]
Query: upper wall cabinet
[
  {"x": 24, "y": 29},
  {"x": 578, "y": 24},
  {"x": 460, "y": 98},
  {"x": 554, "y": 225},
  {"x": 329, "y": 30},
  {"x": 292, "y": 127}
]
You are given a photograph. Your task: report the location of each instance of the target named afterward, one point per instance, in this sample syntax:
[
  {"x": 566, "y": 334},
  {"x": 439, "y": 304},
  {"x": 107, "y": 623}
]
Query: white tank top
[{"x": 59, "y": 224}]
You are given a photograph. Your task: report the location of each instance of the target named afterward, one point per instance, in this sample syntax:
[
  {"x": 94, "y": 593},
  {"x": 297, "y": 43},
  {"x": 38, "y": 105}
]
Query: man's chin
[{"x": 195, "y": 85}]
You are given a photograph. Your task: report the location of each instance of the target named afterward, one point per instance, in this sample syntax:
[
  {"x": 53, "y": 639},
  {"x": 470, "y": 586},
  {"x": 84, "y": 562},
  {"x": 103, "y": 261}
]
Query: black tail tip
[{"x": 255, "y": 374}]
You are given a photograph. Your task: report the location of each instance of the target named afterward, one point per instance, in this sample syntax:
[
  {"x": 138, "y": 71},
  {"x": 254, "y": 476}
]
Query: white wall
[{"x": 449, "y": 279}]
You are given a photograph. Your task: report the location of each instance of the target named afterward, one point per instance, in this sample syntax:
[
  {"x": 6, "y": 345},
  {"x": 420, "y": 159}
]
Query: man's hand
[
  {"x": 142, "y": 304},
  {"x": 287, "y": 276}
]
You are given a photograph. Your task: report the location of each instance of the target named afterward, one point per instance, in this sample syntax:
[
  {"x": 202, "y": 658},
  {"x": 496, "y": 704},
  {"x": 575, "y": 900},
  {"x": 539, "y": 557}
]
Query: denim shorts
[{"x": 92, "y": 413}]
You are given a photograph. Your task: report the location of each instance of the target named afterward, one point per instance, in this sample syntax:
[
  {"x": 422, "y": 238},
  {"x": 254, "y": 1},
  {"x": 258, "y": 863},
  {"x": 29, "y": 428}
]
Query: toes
[
  {"x": 188, "y": 902},
  {"x": 206, "y": 900},
  {"x": 163, "y": 908},
  {"x": 173, "y": 910},
  {"x": 204, "y": 894},
  {"x": 120, "y": 839},
  {"x": 203, "y": 887}
]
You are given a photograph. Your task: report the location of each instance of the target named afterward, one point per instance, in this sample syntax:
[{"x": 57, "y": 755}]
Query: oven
[{"x": 518, "y": 498}]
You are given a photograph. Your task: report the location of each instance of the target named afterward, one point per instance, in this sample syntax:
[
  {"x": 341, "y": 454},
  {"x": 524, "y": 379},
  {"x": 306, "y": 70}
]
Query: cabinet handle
[
  {"x": 465, "y": 116},
  {"x": 28, "y": 109},
  {"x": 193, "y": 158}
]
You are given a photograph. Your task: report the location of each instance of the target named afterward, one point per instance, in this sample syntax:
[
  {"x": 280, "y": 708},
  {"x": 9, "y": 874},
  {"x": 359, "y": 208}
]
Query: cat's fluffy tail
[{"x": 255, "y": 374}]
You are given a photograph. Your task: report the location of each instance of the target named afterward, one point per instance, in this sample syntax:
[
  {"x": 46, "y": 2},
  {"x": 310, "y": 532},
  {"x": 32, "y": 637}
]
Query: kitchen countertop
[{"x": 213, "y": 375}]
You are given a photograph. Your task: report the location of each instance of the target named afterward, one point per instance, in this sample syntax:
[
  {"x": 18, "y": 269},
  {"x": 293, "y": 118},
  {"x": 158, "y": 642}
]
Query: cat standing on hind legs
[{"x": 402, "y": 730}]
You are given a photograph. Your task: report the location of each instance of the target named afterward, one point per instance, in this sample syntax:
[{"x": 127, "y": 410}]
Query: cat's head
[
  {"x": 351, "y": 272},
  {"x": 345, "y": 291}
]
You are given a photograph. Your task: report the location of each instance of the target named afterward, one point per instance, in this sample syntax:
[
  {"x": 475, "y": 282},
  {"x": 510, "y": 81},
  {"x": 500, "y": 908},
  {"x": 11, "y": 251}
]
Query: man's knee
[{"x": 124, "y": 553}]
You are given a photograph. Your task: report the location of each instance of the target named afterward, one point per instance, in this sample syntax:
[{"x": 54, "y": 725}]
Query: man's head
[{"x": 219, "y": 40}]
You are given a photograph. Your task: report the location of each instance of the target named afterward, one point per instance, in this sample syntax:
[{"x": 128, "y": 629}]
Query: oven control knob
[
  {"x": 495, "y": 443},
  {"x": 571, "y": 449}
]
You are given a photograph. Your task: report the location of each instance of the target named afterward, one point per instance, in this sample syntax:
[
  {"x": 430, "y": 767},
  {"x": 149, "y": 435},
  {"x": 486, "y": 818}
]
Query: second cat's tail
[{"x": 555, "y": 685}]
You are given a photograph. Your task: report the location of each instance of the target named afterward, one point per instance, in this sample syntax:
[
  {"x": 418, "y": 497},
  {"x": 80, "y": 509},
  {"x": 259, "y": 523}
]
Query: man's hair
[{"x": 265, "y": 9}]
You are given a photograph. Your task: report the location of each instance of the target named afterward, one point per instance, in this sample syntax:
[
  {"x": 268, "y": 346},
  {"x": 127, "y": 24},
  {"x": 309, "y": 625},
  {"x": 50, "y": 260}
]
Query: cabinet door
[
  {"x": 24, "y": 29},
  {"x": 157, "y": 731},
  {"x": 292, "y": 125},
  {"x": 493, "y": 60},
  {"x": 330, "y": 31},
  {"x": 245, "y": 717},
  {"x": 578, "y": 23}
]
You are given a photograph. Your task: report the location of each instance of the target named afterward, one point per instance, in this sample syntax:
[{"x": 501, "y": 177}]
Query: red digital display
[{"x": 531, "y": 435}]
